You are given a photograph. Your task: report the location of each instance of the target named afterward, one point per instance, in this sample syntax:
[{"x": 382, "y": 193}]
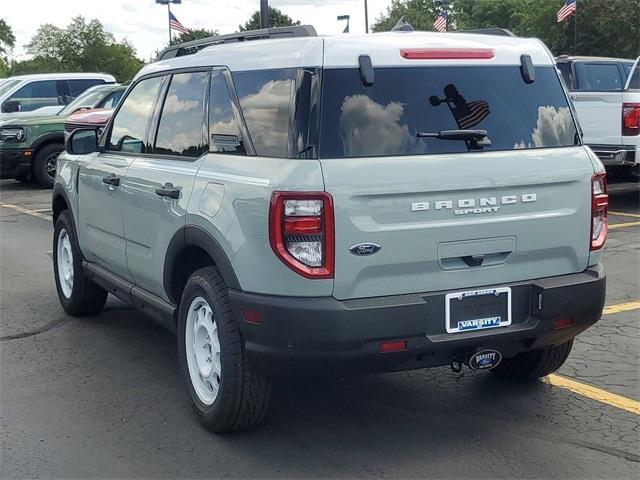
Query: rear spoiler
[{"x": 194, "y": 46}]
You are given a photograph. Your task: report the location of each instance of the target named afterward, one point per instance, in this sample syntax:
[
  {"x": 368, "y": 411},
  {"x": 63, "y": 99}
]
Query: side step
[{"x": 147, "y": 303}]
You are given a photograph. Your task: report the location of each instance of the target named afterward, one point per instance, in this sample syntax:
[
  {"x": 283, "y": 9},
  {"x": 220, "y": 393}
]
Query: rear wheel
[
  {"x": 24, "y": 177},
  {"x": 78, "y": 295},
  {"x": 634, "y": 173},
  {"x": 44, "y": 164},
  {"x": 226, "y": 392},
  {"x": 535, "y": 364}
]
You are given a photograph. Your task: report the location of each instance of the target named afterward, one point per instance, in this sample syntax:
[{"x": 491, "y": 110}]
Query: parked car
[
  {"x": 605, "y": 108},
  {"x": 29, "y": 146},
  {"x": 47, "y": 91},
  {"x": 364, "y": 203},
  {"x": 96, "y": 118}
]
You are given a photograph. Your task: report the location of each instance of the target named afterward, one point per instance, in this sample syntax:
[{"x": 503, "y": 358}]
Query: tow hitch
[{"x": 481, "y": 359}]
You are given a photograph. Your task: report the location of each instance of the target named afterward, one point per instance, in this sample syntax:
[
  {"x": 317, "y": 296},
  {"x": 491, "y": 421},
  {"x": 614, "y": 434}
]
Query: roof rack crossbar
[{"x": 194, "y": 46}]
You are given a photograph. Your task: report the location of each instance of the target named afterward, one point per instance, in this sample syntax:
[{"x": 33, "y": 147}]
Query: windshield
[
  {"x": 7, "y": 84},
  {"x": 386, "y": 118},
  {"x": 87, "y": 99}
]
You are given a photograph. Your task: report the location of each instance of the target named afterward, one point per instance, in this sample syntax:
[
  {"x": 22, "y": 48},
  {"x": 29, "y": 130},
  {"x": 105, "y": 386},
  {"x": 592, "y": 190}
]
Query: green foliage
[
  {"x": 605, "y": 27},
  {"x": 194, "y": 34},
  {"x": 276, "y": 19},
  {"x": 81, "y": 47},
  {"x": 7, "y": 42}
]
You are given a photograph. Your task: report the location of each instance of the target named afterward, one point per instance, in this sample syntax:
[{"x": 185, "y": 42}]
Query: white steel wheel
[
  {"x": 202, "y": 347},
  {"x": 65, "y": 263}
]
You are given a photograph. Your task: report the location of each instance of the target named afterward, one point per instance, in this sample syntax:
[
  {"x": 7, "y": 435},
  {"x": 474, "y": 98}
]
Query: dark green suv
[{"x": 29, "y": 146}]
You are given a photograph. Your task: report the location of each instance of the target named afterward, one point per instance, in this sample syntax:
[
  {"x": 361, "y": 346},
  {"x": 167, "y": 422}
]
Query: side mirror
[
  {"x": 82, "y": 141},
  {"x": 11, "y": 106}
]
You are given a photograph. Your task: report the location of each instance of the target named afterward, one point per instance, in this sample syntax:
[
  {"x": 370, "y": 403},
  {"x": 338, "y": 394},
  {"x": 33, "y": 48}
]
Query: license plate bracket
[{"x": 474, "y": 310}]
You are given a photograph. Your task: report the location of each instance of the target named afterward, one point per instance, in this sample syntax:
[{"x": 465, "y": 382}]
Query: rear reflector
[
  {"x": 447, "y": 53},
  {"x": 395, "y": 346},
  {"x": 251, "y": 316},
  {"x": 563, "y": 322}
]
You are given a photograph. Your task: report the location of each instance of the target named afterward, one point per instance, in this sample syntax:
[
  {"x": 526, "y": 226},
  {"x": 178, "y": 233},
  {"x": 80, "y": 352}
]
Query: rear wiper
[{"x": 476, "y": 138}]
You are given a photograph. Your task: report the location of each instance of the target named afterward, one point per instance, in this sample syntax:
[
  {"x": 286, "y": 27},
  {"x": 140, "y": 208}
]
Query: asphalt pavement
[{"x": 101, "y": 397}]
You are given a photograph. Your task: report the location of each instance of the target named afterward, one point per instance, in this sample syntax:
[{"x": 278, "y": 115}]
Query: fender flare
[
  {"x": 197, "y": 236},
  {"x": 59, "y": 191},
  {"x": 52, "y": 137}
]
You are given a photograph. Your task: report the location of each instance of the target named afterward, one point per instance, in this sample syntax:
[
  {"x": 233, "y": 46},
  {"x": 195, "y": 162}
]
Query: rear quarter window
[{"x": 385, "y": 119}]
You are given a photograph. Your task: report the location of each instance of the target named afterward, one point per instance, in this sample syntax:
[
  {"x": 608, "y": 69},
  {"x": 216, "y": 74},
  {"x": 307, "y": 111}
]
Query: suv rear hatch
[{"x": 452, "y": 214}]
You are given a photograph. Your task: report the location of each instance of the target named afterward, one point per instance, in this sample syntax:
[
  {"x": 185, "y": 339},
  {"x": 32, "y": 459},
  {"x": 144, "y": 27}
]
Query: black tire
[
  {"x": 243, "y": 394},
  {"x": 535, "y": 364},
  {"x": 86, "y": 297},
  {"x": 634, "y": 173},
  {"x": 42, "y": 164}
]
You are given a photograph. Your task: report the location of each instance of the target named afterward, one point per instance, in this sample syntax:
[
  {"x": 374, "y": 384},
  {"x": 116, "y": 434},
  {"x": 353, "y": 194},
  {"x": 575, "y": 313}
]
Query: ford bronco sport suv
[{"x": 360, "y": 203}]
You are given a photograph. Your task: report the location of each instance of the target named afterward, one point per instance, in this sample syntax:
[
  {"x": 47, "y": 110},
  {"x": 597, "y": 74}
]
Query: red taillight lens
[
  {"x": 446, "y": 53},
  {"x": 394, "y": 346},
  {"x": 630, "y": 119},
  {"x": 599, "y": 206},
  {"x": 301, "y": 232}
]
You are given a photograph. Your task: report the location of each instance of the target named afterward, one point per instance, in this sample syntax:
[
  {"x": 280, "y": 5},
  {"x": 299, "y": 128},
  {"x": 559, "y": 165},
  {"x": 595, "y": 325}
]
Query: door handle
[
  {"x": 111, "y": 180},
  {"x": 168, "y": 191}
]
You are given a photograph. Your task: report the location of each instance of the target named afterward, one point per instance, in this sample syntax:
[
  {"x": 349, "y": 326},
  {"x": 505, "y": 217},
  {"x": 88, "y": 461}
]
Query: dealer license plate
[{"x": 475, "y": 310}]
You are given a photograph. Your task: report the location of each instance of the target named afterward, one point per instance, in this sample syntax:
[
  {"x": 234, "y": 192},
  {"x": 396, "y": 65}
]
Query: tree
[
  {"x": 83, "y": 47},
  {"x": 605, "y": 27},
  {"x": 194, "y": 34},
  {"x": 7, "y": 42},
  {"x": 276, "y": 19}
]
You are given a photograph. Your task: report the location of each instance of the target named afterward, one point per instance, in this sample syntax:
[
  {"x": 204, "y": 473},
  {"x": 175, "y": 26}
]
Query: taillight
[
  {"x": 301, "y": 232},
  {"x": 630, "y": 119},
  {"x": 599, "y": 206}
]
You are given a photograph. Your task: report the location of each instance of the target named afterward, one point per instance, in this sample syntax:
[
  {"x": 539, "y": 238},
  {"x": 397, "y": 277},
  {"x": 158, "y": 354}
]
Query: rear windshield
[{"x": 385, "y": 119}]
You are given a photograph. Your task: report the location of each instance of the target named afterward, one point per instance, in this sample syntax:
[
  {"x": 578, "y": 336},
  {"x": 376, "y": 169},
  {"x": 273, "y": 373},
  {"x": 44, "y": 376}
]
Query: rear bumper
[
  {"x": 616, "y": 155},
  {"x": 345, "y": 335},
  {"x": 14, "y": 163}
]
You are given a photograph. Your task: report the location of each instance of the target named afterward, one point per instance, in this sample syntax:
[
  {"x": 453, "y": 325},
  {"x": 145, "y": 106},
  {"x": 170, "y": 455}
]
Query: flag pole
[
  {"x": 169, "y": 20},
  {"x": 575, "y": 30}
]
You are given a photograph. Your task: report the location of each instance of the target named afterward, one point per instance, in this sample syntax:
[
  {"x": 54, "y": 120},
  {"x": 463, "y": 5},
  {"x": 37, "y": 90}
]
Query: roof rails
[
  {"x": 194, "y": 46},
  {"x": 501, "y": 32}
]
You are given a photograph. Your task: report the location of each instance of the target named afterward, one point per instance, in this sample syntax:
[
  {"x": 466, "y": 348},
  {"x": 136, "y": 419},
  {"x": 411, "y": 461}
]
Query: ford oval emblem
[
  {"x": 367, "y": 248},
  {"x": 485, "y": 359}
]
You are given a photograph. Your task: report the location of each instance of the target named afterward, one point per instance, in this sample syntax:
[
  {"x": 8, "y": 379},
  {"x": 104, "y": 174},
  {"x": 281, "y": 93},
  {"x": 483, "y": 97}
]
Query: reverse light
[
  {"x": 301, "y": 232},
  {"x": 630, "y": 119},
  {"x": 447, "y": 53},
  {"x": 599, "y": 206}
]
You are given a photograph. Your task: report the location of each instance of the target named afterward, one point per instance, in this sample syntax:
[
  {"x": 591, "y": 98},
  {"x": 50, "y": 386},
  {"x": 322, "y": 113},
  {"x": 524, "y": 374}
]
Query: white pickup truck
[{"x": 606, "y": 96}]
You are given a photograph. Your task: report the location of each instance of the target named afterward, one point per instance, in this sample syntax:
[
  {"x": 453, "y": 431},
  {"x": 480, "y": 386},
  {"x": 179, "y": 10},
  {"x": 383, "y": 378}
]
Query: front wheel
[
  {"x": 226, "y": 392},
  {"x": 78, "y": 295},
  {"x": 535, "y": 364}
]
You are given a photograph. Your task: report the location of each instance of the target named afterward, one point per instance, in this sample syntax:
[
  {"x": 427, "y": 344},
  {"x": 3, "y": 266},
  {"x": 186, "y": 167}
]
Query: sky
[{"x": 144, "y": 23}]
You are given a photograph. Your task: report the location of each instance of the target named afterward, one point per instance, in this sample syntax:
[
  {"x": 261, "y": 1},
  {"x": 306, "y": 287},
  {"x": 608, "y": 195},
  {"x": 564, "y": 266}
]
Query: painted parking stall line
[
  {"x": 26, "y": 211},
  {"x": 623, "y": 225},
  {"x": 621, "y": 307}
]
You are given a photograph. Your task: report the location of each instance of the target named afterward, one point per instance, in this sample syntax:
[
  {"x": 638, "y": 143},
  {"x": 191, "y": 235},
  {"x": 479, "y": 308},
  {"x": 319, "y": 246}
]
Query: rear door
[
  {"x": 449, "y": 214},
  {"x": 598, "y": 99},
  {"x": 159, "y": 184}
]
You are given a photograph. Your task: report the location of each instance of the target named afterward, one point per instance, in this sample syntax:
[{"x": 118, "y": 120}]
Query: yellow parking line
[
  {"x": 624, "y": 214},
  {"x": 621, "y": 307},
  {"x": 594, "y": 393},
  {"x": 26, "y": 211},
  {"x": 623, "y": 225}
]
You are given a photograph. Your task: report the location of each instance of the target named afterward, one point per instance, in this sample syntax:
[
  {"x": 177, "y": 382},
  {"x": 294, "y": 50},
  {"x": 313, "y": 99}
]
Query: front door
[
  {"x": 158, "y": 184},
  {"x": 101, "y": 180}
]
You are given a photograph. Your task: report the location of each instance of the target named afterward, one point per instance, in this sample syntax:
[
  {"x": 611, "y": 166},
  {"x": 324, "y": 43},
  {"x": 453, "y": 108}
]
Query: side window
[
  {"x": 111, "y": 100},
  {"x": 565, "y": 70},
  {"x": 599, "y": 77},
  {"x": 224, "y": 133},
  {"x": 180, "y": 130},
  {"x": 265, "y": 98},
  {"x": 80, "y": 85},
  {"x": 131, "y": 121},
  {"x": 37, "y": 94}
]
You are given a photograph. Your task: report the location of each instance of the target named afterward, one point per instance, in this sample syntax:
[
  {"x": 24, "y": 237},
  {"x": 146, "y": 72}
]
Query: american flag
[
  {"x": 478, "y": 111},
  {"x": 440, "y": 23},
  {"x": 175, "y": 24},
  {"x": 567, "y": 9}
]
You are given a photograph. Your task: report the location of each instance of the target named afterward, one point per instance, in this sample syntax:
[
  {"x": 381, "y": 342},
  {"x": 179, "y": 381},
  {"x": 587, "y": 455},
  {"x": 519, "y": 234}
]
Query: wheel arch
[
  {"x": 59, "y": 202},
  {"x": 47, "y": 139},
  {"x": 191, "y": 248}
]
